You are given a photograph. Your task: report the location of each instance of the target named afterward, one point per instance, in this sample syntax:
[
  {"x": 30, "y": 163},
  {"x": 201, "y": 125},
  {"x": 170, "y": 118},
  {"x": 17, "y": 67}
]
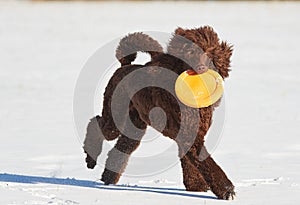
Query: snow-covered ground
[{"x": 43, "y": 47}]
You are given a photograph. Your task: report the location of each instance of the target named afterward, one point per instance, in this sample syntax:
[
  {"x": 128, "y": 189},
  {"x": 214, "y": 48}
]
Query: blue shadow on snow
[{"x": 98, "y": 185}]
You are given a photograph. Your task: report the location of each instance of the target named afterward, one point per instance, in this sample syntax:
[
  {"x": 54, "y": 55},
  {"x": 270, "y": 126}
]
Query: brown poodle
[{"x": 193, "y": 50}]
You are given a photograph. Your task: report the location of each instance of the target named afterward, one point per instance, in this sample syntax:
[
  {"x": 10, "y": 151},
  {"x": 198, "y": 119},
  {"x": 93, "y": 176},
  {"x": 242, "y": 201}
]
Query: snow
[{"x": 43, "y": 49}]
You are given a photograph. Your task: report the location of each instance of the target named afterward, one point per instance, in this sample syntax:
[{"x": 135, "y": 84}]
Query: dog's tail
[{"x": 132, "y": 43}]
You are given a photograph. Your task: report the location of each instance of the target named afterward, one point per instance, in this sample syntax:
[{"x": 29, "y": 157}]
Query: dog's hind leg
[
  {"x": 93, "y": 142},
  {"x": 126, "y": 144},
  {"x": 104, "y": 127},
  {"x": 95, "y": 135},
  {"x": 118, "y": 158}
]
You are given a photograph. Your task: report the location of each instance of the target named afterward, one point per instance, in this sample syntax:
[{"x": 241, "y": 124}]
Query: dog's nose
[{"x": 201, "y": 69}]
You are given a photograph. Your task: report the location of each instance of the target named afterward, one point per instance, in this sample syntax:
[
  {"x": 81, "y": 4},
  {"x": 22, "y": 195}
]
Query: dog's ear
[
  {"x": 219, "y": 51},
  {"x": 179, "y": 31},
  {"x": 221, "y": 58},
  {"x": 208, "y": 38}
]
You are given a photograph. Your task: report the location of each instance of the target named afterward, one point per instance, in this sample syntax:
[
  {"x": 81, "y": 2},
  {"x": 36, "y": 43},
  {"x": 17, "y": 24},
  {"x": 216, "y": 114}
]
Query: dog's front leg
[
  {"x": 215, "y": 177},
  {"x": 192, "y": 178}
]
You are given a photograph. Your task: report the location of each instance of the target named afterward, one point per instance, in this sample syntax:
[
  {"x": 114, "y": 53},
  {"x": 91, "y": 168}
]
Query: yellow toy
[{"x": 199, "y": 90}]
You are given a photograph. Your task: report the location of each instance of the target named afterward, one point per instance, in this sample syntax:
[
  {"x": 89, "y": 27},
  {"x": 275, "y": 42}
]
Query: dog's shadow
[{"x": 92, "y": 184}]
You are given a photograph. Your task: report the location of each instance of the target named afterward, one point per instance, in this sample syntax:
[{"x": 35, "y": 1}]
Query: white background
[{"x": 43, "y": 47}]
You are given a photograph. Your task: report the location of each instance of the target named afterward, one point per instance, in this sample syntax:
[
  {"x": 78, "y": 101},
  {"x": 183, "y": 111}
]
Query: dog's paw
[
  {"x": 228, "y": 194},
  {"x": 110, "y": 177},
  {"x": 90, "y": 162}
]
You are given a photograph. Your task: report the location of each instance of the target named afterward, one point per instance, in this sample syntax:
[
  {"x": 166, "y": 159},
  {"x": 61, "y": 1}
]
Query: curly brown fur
[
  {"x": 192, "y": 178},
  {"x": 132, "y": 43},
  {"x": 191, "y": 43},
  {"x": 200, "y": 171}
]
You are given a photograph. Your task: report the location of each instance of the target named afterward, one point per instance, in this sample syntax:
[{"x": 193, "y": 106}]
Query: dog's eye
[{"x": 191, "y": 52}]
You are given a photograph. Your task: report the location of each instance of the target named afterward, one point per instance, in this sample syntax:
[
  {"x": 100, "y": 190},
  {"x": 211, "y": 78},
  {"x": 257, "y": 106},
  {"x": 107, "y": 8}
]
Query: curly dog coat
[{"x": 194, "y": 50}]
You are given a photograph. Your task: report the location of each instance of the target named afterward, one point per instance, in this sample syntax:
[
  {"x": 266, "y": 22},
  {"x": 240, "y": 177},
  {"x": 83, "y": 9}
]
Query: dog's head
[{"x": 201, "y": 49}]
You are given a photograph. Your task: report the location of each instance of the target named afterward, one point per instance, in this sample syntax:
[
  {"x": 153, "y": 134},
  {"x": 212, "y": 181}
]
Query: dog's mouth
[
  {"x": 202, "y": 64},
  {"x": 199, "y": 69}
]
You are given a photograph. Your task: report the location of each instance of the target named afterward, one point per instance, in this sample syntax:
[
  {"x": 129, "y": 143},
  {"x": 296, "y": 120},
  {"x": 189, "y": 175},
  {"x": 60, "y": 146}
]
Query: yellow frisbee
[{"x": 200, "y": 90}]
